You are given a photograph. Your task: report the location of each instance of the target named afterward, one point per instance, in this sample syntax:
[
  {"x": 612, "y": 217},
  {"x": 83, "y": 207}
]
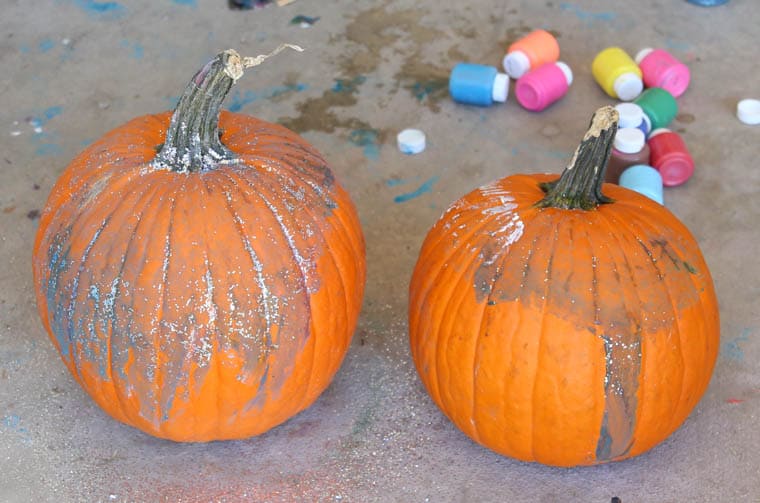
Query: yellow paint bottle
[{"x": 617, "y": 73}]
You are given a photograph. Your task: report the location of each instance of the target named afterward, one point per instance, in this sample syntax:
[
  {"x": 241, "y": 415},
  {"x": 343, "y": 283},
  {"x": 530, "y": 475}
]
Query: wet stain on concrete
[{"x": 686, "y": 118}]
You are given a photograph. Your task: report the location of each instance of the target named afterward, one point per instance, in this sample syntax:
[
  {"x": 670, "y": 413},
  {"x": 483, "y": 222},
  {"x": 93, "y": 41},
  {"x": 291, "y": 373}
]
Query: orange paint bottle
[{"x": 531, "y": 51}]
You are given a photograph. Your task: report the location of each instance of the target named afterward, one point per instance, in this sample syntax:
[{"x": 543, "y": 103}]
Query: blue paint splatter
[
  {"x": 367, "y": 138},
  {"x": 51, "y": 112},
  {"x": 191, "y": 3},
  {"x": 348, "y": 85},
  {"x": 731, "y": 348},
  {"x": 110, "y": 10},
  {"x": 238, "y": 100},
  {"x": 24, "y": 49},
  {"x": 48, "y": 149},
  {"x": 137, "y": 50},
  {"x": 423, "y": 189},
  {"x": 425, "y": 89},
  {"x": 588, "y": 17},
  {"x": 45, "y": 45},
  {"x": 13, "y": 423},
  {"x": 394, "y": 182},
  {"x": 677, "y": 45},
  {"x": 45, "y": 143}
]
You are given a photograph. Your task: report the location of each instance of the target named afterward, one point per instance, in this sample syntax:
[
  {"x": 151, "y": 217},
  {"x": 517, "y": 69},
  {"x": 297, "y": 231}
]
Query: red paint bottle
[
  {"x": 629, "y": 148},
  {"x": 670, "y": 157}
]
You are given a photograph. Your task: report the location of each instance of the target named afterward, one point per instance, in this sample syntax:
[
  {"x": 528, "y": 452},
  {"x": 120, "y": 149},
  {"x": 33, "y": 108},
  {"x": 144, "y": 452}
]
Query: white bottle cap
[
  {"x": 628, "y": 86},
  {"x": 516, "y": 63},
  {"x": 629, "y": 140},
  {"x": 500, "y": 89},
  {"x": 567, "y": 71},
  {"x": 748, "y": 111},
  {"x": 630, "y": 114},
  {"x": 658, "y": 131},
  {"x": 643, "y": 53},
  {"x": 411, "y": 141}
]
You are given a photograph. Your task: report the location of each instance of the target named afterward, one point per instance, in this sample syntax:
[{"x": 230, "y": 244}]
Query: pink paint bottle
[
  {"x": 670, "y": 157},
  {"x": 541, "y": 87},
  {"x": 662, "y": 69}
]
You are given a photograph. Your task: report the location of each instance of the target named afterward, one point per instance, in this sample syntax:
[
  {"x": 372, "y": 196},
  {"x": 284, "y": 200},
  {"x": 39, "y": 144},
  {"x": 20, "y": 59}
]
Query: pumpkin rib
[
  {"x": 442, "y": 351},
  {"x": 633, "y": 414},
  {"x": 158, "y": 378},
  {"x": 476, "y": 356},
  {"x": 142, "y": 200},
  {"x": 339, "y": 233},
  {"x": 632, "y": 284},
  {"x": 74, "y": 295},
  {"x": 679, "y": 338},
  {"x": 210, "y": 289},
  {"x": 111, "y": 328},
  {"x": 293, "y": 250},
  {"x": 674, "y": 312},
  {"x": 434, "y": 281},
  {"x": 549, "y": 252},
  {"x": 109, "y": 334},
  {"x": 260, "y": 281}
]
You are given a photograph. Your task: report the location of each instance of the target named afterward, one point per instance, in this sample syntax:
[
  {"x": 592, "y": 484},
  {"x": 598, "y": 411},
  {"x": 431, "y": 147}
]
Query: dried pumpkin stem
[
  {"x": 192, "y": 140},
  {"x": 580, "y": 185}
]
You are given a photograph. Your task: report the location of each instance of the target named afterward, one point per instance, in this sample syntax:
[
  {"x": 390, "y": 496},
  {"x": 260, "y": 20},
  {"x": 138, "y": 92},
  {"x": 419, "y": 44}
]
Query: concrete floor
[{"x": 73, "y": 69}]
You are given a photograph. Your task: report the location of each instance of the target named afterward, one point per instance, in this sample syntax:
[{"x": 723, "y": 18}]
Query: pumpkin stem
[
  {"x": 580, "y": 185},
  {"x": 192, "y": 140}
]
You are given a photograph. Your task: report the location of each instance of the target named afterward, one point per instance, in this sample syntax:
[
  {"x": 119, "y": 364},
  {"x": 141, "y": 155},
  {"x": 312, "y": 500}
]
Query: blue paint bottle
[
  {"x": 632, "y": 115},
  {"x": 707, "y": 3},
  {"x": 475, "y": 84},
  {"x": 644, "y": 180}
]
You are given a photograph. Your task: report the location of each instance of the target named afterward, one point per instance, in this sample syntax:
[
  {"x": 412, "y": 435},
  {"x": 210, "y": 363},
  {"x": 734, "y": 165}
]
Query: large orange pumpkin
[
  {"x": 554, "y": 324},
  {"x": 201, "y": 274}
]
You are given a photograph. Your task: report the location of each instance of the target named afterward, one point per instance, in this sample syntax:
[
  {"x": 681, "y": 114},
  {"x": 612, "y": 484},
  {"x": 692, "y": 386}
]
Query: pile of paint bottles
[
  {"x": 533, "y": 61},
  {"x": 646, "y": 155}
]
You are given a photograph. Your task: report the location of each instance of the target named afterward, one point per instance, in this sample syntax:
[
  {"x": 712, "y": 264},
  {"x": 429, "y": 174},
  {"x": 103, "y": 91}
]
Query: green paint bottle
[{"x": 659, "y": 105}]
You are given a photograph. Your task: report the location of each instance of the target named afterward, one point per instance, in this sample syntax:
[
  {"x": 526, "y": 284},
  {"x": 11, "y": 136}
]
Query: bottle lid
[
  {"x": 627, "y": 86},
  {"x": 630, "y": 114},
  {"x": 643, "y": 53},
  {"x": 411, "y": 141},
  {"x": 567, "y": 71},
  {"x": 516, "y": 63},
  {"x": 500, "y": 89},
  {"x": 658, "y": 131},
  {"x": 629, "y": 140},
  {"x": 643, "y": 179},
  {"x": 748, "y": 111}
]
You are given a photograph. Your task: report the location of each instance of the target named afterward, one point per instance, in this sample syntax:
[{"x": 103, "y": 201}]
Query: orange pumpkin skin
[
  {"x": 566, "y": 337},
  {"x": 207, "y": 305}
]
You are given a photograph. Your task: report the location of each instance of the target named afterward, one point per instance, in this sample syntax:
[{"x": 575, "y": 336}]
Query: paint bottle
[
  {"x": 632, "y": 115},
  {"x": 670, "y": 157},
  {"x": 531, "y": 51},
  {"x": 707, "y": 3},
  {"x": 544, "y": 85},
  {"x": 659, "y": 105},
  {"x": 644, "y": 180},
  {"x": 475, "y": 84},
  {"x": 617, "y": 74},
  {"x": 628, "y": 149},
  {"x": 661, "y": 69}
]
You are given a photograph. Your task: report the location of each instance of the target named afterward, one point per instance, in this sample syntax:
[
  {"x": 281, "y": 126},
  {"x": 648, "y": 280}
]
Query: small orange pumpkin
[
  {"x": 201, "y": 274},
  {"x": 551, "y": 323}
]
